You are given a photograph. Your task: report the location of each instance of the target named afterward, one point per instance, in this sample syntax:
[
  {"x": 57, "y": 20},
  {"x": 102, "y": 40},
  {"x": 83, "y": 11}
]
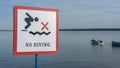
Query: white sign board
[{"x": 35, "y": 30}]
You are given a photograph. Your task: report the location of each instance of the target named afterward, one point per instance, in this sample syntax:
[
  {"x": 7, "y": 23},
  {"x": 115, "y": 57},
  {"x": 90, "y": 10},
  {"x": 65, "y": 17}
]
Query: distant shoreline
[
  {"x": 5, "y": 30},
  {"x": 91, "y": 29},
  {"x": 96, "y": 29}
]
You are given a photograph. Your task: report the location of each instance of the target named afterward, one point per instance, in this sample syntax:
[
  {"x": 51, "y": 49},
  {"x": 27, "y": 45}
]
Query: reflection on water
[{"x": 75, "y": 51}]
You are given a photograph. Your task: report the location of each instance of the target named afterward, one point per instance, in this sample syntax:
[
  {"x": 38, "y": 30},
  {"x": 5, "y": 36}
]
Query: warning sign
[{"x": 35, "y": 30}]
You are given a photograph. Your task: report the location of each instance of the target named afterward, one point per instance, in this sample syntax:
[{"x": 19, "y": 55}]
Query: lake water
[{"x": 75, "y": 51}]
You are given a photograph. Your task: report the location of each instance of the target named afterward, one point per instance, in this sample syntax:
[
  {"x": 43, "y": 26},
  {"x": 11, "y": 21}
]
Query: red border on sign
[{"x": 16, "y": 25}]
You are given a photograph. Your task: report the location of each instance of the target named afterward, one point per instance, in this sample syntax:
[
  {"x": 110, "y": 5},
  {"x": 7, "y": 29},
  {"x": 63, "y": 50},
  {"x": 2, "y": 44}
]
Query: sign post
[
  {"x": 36, "y": 61},
  {"x": 35, "y": 31}
]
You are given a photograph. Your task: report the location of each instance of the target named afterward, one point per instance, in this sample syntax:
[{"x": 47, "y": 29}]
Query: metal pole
[{"x": 36, "y": 61}]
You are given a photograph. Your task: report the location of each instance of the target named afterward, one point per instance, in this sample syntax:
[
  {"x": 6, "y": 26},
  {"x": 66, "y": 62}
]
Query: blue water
[{"x": 75, "y": 51}]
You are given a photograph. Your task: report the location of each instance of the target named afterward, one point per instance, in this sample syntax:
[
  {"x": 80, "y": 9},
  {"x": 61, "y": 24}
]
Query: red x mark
[{"x": 44, "y": 26}]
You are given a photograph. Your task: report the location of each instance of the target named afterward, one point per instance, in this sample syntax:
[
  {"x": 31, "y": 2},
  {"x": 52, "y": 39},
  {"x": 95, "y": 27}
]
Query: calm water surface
[{"x": 75, "y": 51}]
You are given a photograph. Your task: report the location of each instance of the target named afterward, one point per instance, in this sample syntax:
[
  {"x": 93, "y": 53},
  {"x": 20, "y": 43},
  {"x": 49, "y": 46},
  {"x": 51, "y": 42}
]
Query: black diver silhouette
[{"x": 29, "y": 19}]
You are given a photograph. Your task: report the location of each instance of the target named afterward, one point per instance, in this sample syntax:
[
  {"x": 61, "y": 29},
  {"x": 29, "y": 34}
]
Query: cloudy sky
[{"x": 72, "y": 13}]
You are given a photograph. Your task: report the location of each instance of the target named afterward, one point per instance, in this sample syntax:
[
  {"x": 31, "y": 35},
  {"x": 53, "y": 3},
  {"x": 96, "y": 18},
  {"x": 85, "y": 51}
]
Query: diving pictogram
[{"x": 44, "y": 26}]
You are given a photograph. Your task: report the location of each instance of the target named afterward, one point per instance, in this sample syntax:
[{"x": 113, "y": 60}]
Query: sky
[{"x": 72, "y": 13}]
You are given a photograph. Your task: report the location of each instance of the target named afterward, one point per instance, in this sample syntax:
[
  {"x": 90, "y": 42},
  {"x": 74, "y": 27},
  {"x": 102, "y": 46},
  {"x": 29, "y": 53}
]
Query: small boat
[
  {"x": 95, "y": 42},
  {"x": 115, "y": 44}
]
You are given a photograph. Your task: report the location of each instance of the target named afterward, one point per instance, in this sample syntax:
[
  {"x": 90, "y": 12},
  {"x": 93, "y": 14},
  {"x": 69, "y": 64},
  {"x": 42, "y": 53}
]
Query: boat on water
[
  {"x": 115, "y": 44},
  {"x": 96, "y": 42}
]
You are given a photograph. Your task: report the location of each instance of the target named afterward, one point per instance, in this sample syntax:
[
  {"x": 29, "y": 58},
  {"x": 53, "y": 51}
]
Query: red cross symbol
[{"x": 44, "y": 26}]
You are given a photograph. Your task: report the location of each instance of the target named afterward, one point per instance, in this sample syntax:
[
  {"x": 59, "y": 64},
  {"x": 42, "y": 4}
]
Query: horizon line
[{"x": 81, "y": 29}]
